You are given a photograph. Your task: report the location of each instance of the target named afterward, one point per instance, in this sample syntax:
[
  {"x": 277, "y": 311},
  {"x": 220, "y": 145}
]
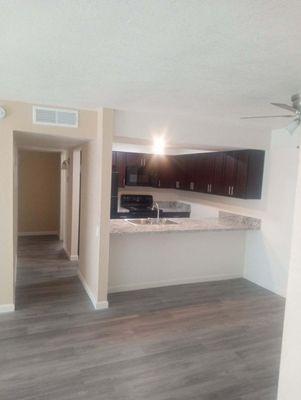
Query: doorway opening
[{"x": 48, "y": 194}]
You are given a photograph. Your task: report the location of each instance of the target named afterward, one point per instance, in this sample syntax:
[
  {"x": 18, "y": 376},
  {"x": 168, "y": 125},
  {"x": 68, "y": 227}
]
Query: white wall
[
  {"x": 267, "y": 251},
  {"x": 167, "y": 258},
  {"x": 289, "y": 379},
  {"x": 191, "y": 130}
]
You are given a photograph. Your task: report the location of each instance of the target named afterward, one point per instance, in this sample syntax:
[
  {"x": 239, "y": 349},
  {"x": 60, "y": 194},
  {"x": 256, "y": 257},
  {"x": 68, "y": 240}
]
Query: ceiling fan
[{"x": 295, "y": 108}]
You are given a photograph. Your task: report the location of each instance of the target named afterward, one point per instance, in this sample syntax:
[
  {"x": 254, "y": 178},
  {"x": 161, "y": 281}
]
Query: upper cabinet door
[
  {"x": 218, "y": 176},
  {"x": 166, "y": 176},
  {"x": 230, "y": 172},
  {"x": 249, "y": 174},
  {"x": 114, "y": 161},
  {"x": 180, "y": 172},
  {"x": 133, "y": 159},
  {"x": 205, "y": 172},
  {"x": 191, "y": 171},
  {"x": 121, "y": 167},
  {"x": 208, "y": 175}
]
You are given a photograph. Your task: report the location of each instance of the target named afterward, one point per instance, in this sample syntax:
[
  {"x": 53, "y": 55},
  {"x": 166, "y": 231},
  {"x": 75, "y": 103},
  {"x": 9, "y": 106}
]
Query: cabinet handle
[
  {"x": 232, "y": 190},
  {"x": 210, "y": 187},
  {"x": 229, "y": 190}
]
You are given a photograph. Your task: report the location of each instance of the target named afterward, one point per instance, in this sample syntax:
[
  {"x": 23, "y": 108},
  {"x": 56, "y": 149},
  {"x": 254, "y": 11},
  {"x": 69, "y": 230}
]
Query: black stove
[{"x": 139, "y": 205}]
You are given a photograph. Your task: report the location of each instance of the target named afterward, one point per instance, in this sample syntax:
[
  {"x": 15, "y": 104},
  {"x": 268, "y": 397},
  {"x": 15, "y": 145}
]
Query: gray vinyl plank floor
[{"x": 208, "y": 341}]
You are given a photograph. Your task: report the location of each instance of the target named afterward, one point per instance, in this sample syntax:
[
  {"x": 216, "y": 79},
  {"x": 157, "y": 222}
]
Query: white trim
[
  {"x": 71, "y": 257},
  {"x": 63, "y": 193},
  {"x": 98, "y": 305},
  {"x": 172, "y": 282},
  {"x": 101, "y": 305},
  {"x": 39, "y": 233},
  {"x": 4, "y": 308}
]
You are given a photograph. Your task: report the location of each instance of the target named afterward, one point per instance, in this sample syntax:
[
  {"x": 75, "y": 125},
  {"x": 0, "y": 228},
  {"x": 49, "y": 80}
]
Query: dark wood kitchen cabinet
[
  {"x": 249, "y": 176},
  {"x": 230, "y": 173},
  {"x": 137, "y": 159},
  {"x": 191, "y": 171},
  {"x": 180, "y": 163},
  {"x": 236, "y": 173},
  {"x": 166, "y": 171},
  {"x": 119, "y": 165},
  {"x": 209, "y": 172}
]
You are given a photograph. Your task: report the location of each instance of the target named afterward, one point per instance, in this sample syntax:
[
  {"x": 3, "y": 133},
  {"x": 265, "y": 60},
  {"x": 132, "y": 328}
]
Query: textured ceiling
[{"x": 220, "y": 58}]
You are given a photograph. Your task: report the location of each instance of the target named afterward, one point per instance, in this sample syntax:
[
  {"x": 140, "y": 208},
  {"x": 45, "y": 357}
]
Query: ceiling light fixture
[{"x": 159, "y": 145}]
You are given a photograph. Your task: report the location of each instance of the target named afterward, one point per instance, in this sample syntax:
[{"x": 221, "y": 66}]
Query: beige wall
[
  {"x": 95, "y": 210},
  {"x": 19, "y": 118},
  {"x": 38, "y": 192}
]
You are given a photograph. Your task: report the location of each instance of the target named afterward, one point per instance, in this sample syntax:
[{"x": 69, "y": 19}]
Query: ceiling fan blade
[
  {"x": 285, "y": 106},
  {"x": 268, "y": 116}
]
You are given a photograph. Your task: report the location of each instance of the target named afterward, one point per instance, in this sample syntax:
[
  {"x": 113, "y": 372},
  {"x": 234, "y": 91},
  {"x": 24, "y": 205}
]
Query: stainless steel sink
[{"x": 151, "y": 221}]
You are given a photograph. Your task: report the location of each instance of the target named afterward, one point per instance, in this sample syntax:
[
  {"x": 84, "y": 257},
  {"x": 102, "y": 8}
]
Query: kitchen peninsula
[{"x": 185, "y": 251}]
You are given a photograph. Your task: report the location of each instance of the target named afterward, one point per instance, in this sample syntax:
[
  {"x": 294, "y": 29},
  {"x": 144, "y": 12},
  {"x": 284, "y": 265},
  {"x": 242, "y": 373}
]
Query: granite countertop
[
  {"x": 225, "y": 222},
  {"x": 174, "y": 206}
]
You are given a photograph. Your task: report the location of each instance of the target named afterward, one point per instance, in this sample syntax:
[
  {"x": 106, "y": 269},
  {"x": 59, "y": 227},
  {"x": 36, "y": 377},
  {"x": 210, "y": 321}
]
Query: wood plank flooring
[{"x": 208, "y": 341}]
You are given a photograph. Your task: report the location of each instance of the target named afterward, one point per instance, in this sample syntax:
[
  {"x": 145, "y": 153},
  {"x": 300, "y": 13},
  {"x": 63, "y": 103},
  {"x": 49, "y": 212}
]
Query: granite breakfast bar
[{"x": 189, "y": 250}]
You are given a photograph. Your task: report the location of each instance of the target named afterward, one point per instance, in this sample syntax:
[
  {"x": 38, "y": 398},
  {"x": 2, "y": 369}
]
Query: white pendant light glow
[{"x": 159, "y": 145}]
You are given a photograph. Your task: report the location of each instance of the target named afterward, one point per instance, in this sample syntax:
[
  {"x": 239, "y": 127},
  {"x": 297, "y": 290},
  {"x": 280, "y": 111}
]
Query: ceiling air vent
[{"x": 55, "y": 116}]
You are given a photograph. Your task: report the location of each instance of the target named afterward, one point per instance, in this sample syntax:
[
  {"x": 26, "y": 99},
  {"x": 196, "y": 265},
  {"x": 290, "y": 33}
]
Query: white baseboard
[
  {"x": 150, "y": 285},
  {"x": 38, "y": 233},
  {"x": 101, "y": 305},
  {"x": 71, "y": 257},
  {"x": 4, "y": 308},
  {"x": 98, "y": 305}
]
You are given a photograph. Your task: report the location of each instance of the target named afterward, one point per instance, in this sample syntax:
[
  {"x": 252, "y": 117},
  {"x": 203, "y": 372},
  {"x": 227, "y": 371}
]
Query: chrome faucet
[{"x": 156, "y": 207}]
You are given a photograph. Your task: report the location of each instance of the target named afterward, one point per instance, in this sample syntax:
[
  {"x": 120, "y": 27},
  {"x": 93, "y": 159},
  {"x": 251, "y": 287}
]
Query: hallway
[
  {"x": 46, "y": 278},
  {"x": 208, "y": 341}
]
